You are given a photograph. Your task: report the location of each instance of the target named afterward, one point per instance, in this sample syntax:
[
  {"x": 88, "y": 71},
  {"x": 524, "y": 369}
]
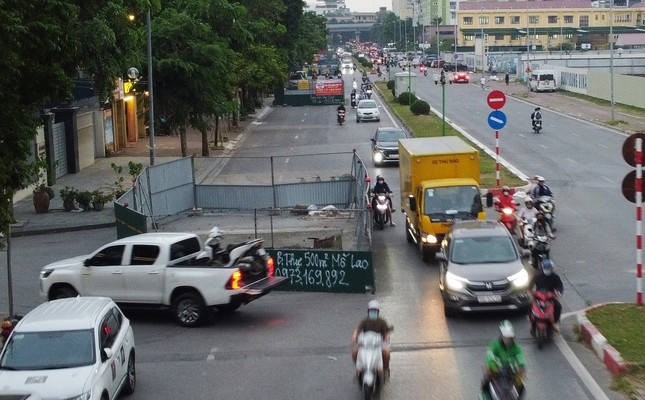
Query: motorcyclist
[
  {"x": 382, "y": 187},
  {"x": 536, "y": 115},
  {"x": 503, "y": 352},
  {"x": 340, "y": 109},
  {"x": 527, "y": 211},
  {"x": 541, "y": 189},
  {"x": 373, "y": 323},
  {"x": 354, "y": 84},
  {"x": 506, "y": 199},
  {"x": 549, "y": 281},
  {"x": 540, "y": 228}
]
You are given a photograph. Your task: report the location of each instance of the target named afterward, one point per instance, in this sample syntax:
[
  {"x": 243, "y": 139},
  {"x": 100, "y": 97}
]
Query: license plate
[{"x": 490, "y": 299}]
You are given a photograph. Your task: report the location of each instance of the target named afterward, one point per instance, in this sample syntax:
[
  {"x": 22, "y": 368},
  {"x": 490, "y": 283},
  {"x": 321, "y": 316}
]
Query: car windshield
[
  {"x": 367, "y": 104},
  {"x": 456, "y": 201},
  {"x": 482, "y": 250},
  {"x": 49, "y": 350},
  {"x": 390, "y": 136}
]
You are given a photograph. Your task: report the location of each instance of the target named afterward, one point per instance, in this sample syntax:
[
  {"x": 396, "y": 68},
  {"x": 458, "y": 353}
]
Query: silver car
[
  {"x": 483, "y": 269},
  {"x": 367, "y": 110}
]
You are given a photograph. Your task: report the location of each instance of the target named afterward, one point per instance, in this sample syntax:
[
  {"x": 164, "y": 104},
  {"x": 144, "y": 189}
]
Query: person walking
[
  {"x": 482, "y": 82},
  {"x": 507, "y": 79}
]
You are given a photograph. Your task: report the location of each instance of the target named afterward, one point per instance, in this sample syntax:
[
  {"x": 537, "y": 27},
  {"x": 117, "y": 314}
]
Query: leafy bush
[
  {"x": 390, "y": 84},
  {"x": 420, "y": 107},
  {"x": 407, "y": 98}
]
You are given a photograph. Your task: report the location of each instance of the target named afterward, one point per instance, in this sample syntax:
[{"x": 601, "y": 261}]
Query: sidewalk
[{"x": 101, "y": 173}]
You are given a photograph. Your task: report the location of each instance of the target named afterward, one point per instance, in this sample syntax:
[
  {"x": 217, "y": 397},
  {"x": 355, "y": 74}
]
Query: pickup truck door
[
  {"x": 144, "y": 275},
  {"x": 102, "y": 274}
]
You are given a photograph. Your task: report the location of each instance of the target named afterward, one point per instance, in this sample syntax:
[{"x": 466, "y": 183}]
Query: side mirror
[
  {"x": 413, "y": 202},
  {"x": 373, "y": 140},
  {"x": 440, "y": 256},
  {"x": 87, "y": 262},
  {"x": 106, "y": 354}
]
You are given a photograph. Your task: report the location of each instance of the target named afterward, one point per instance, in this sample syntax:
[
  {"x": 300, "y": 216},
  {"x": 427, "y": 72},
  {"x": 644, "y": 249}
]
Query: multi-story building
[
  {"x": 404, "y": 9},
  {"x": 545, "y": 25},
  {"x": 330, "y": 6}
]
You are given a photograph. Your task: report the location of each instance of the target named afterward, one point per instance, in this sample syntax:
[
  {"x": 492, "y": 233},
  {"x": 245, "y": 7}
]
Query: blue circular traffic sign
[{"x": 497, "y": 120}]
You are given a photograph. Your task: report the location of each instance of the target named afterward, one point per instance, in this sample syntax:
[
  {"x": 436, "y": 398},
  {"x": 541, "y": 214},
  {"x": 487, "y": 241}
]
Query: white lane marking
[
  {"x": 602, "y": 145},
  {"x": 521, "y": 134},
  {"x": 580, "y": 370},
  {"x": 607, "y": 179},
  {"x": 570, "y": 160},
  {"x": 543, "y": 146},
  {"x": 575, "y": 134},
  {"x": 286, "y": 160},
  {"x": 296, "y": 137}
]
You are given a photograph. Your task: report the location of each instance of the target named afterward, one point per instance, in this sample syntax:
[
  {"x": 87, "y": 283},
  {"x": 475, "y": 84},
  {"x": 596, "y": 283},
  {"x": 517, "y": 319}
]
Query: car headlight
[
  {"x": 455, "y": 282},
  {"x": 378, "y": 157},
  {"x": 520, "y": 279},
  {"x": 85, "y": 396}
]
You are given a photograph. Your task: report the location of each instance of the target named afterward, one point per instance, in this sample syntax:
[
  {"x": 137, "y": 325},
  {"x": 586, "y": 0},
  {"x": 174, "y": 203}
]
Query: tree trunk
[
  {"x": 182, "y": 139},
  {"x": 204, "y": 143},
  {"x": 217, "y": 132}
]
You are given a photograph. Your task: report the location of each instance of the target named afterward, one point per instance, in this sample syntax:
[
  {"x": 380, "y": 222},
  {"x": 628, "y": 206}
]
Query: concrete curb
[
  {"x": 63, "y": 229},
  {"x": 606, "y": 352}
]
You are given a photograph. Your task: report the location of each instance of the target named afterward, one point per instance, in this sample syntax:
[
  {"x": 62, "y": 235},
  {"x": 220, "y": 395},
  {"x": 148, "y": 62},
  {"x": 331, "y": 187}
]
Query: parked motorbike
[
  {"x": 537, "y": 126},
  {"x": 546, "y": 206},
  {"x": 504, "y": 385},
  {"x": 380, "y": 211},
  {"x": 340, "y": 117},
  {"x": 542, "y": 316},
  {"x": 249, "y": 256},
  {"x": 507, "y": 216},
  {"x": 369, "y": 363}
]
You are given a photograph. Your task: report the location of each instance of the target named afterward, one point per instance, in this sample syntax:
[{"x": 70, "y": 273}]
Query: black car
[
  {"x": 483, "y": 269},
  {"x": 385, "y": 145}
]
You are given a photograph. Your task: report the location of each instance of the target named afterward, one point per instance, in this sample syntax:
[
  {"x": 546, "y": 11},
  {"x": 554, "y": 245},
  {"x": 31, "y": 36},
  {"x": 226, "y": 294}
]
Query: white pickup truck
[{"x": 164, "y": 270}]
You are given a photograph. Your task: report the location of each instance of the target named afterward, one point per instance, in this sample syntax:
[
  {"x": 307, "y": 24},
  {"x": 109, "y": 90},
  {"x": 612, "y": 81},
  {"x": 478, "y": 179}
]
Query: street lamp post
[
  {"x": 151, "y": 116},
  {"x": 443, "y": 103},
  {"x": 611, "y": 56}
]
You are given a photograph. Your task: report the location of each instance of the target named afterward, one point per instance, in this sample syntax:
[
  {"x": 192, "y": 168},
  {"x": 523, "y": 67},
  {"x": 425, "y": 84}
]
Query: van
[{"x": 542, "y": 80}]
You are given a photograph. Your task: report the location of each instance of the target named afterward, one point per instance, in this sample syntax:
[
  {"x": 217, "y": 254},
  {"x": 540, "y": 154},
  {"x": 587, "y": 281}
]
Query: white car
[
  {"x": 367, "y": 110},
  {"x": 80, "y": 348}
]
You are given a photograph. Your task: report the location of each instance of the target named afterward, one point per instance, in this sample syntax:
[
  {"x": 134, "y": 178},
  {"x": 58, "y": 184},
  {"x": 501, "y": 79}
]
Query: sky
[{"x": 360, "y": 5}]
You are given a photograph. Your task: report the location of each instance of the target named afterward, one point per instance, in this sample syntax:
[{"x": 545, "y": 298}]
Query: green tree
[{"x": 45, "y": 45}]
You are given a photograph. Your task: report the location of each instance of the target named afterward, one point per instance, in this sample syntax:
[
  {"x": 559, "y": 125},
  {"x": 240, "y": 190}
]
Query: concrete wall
[{"x": 85, "y": 132}]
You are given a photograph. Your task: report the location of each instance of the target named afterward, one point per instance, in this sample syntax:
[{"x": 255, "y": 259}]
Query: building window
[
  {"x": 622, "y": 18},
  {"x": 568, "y": 19},
  {"x": 468, "y": 37},
  {"x": 499, "y": 37},
  {"x": 499, "y": 20},
  {"x": 515, "y": 19},
  {"x": 515, "y": 37},
  {"x": 553, "y": 19},
  {"x": 534, "y": 19},
  {"x": 584, "y": 21},
  {"x": 483, "y": 20},
  {"x": 468, "y": 20},
  {"x": 551, "y": 36}
]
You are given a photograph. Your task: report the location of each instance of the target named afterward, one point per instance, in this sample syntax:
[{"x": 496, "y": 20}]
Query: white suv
[{"x": 79, "y": 348}]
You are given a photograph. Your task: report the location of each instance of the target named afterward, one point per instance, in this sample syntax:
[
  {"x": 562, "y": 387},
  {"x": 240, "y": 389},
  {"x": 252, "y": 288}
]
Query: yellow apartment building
[{"x": 544, "y": 25}]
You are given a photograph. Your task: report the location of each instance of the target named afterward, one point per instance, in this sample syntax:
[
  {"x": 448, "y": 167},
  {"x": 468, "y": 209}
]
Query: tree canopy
[{"x": 203, "y": 52}]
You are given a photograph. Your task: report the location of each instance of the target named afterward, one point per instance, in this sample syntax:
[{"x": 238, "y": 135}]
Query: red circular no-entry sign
[{"x": 496, "y": 99}]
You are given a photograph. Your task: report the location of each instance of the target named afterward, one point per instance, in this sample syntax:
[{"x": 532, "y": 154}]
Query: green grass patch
[
  {"x": 623, "y": 325},
  {"x": 433, "y": 126},
  {"x": 631, "y": 110}
]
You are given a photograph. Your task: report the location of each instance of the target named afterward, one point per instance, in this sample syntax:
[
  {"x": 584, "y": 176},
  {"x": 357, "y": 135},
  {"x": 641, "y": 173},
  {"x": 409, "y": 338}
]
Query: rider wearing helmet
[
  {"x": 373, "y": 323},
  {"x": 527, "y": 211},
  {"x": 382, "y": 187},
  {"x": 504, "y": 352},
  {"x": 541, "y": 189},
  {"x": 549, "y": 281},
  {"x": 506, "y": 199}
]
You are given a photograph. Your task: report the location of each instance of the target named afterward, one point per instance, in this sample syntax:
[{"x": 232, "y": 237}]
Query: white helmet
[
  {"x": 373, "y": 305},
  {"x": 506, "y": 329},
  {"x": 216, "y": 233}
]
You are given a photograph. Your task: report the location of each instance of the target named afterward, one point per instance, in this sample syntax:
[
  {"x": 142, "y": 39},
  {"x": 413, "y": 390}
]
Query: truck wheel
[
  {"x": 62, "y": 292},
  {"x": 189, "y": 309},
  {"x": 449, "y": 312}
]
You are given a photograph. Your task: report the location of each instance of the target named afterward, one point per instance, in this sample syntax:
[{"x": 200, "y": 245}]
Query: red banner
[{"x": 329, "y": 87}]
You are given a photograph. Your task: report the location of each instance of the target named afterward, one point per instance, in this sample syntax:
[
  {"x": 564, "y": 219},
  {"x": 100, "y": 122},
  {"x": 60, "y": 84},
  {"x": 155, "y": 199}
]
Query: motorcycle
[
  {"x": 542, "y": 316},
  {"x": 340, "y": 117},
  {"x": 249, "y": 256},
  {"x": 504, "y": 385},
  {"x": 545, "y": 205},
  {"x": 537, "y": 125},
  {"x": 380, "y": 212},
  {"x": 369, "y": 363},
  {"x": 352, "y": 102},
  {"x": 368, "y": 92},
  {"x": 526, "y": 237},
  {"x": 541, "y": 251},
  {"x": 507, "y": 216}
]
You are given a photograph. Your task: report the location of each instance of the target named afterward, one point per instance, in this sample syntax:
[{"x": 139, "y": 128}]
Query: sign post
[{"x": 496, "y": 120}]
